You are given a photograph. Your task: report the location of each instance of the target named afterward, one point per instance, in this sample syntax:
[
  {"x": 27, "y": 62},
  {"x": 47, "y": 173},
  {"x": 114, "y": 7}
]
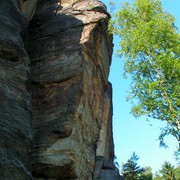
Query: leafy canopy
[
  {"x": 168, "y": 172},
  {"x": 150, "y": 44}
]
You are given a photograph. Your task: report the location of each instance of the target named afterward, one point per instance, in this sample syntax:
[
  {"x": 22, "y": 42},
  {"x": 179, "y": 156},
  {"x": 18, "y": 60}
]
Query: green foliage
[
  {"x": 177, "y": 173},
  {"x": 168, "y": 172},
  {"x": 131, "y": 170},
  {"x": 177, "y": 157},
  {"x": 111, "y": 3},
  {"x": 150, "y": 44},
  {"x": 147, "y": 174},
  {"x": 157, "y": 176}
]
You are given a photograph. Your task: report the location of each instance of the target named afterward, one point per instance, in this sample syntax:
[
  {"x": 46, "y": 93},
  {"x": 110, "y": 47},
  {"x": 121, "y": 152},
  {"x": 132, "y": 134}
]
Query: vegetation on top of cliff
[{"x": 150, "y": 44}]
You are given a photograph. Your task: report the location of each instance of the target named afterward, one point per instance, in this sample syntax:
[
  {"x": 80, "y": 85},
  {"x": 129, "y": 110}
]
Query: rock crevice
[{"x": 64, "y": 99}]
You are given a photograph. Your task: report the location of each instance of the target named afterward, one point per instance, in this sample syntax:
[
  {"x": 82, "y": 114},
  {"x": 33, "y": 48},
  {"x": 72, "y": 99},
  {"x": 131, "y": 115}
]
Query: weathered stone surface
[
  {"x": 108, "y": 174},
  {"x": 15, "y": 98},
  {"x": 70, "y": 52},
  {"x": 28, "y": 8},
  {"x": 105, "y": 145},
  {"x": 104, "y": 167},
  {"x": 105, "y": 170}
]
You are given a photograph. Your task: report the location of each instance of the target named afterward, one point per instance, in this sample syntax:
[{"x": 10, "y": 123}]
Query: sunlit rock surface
[{"x": 70, "y": 54}]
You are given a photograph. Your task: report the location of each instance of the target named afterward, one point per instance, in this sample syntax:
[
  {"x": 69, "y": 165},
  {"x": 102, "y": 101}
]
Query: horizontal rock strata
[
  {"x": 15, "y": 96},
  {"x": 55, "y": 117},
  {"x": 70, "y": 52}
]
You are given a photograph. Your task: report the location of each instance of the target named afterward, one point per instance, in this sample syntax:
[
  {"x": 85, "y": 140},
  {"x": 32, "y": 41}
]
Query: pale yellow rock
[{"x": 102, "y": 145}]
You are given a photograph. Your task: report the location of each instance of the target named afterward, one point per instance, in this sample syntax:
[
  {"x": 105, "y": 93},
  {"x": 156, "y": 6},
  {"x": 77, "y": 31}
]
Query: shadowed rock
[
  {"x": 71, "y": 53},
  {"x": 15, "y": 97}
]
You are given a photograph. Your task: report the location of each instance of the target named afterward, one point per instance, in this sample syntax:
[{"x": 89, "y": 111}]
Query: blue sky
[{"x": 137, "y": 135}]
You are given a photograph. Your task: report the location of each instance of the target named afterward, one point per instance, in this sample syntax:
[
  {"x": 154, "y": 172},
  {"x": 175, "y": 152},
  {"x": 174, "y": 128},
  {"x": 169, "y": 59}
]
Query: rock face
[
  {"x": 105, "y": 170},
  {"x": 70, "y": 53},
  {"x": 15, "y": 96}
]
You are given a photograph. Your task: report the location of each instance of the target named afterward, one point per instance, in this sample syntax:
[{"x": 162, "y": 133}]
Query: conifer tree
[{"x": 131, "y": 170}]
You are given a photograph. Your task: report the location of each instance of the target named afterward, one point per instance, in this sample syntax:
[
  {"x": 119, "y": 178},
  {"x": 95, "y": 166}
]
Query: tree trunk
[{"x": 15, "y": 99}]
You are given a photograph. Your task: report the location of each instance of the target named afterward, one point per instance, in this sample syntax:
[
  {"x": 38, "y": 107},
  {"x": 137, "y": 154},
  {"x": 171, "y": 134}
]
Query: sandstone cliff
[
  {"x": 56, "y": 102},
  {"x": 15, "y": 94}
]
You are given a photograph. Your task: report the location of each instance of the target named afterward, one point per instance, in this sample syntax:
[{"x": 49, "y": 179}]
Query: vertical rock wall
[
  {"x": 70, "y": 52},
  {"x": 15, "y": 96},
  {"x": 105, "y": 146}
]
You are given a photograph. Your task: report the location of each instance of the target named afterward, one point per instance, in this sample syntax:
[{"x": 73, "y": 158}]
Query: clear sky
[{"x": 137, "y": 135}]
